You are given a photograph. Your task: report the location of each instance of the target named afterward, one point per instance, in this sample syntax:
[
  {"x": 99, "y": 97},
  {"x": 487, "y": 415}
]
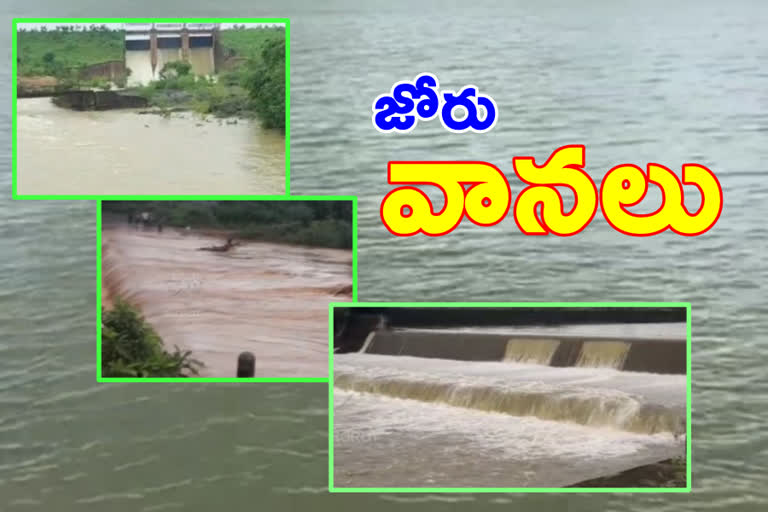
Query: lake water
[
  {"x": 121, "y": 152},
  {"x": 657, "y": 81}
]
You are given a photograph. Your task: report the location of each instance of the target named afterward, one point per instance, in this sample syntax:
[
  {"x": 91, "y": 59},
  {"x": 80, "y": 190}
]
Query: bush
[
  {"x": 176, "y": 68},
  {"x": 131, "y": 348},
  {"x": 266, "y": 84},
  {"x": 331, "y": 233}
]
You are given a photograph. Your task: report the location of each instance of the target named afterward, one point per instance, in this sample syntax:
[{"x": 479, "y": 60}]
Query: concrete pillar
[
  {"x": 246, "y": 365},
  {"x": 185, "y": 43},
  {"x": 153, "y": 48},
  {"x": 216, "y": 49}
]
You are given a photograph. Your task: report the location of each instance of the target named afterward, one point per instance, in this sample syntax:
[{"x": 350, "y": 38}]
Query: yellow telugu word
[{"x": 480, "y": 192}]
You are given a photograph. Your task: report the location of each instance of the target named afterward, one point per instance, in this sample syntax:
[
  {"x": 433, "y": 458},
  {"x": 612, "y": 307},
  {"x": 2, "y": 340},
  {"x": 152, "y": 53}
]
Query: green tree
[
  {"x": 266, "y": 84},
  {"x": 176, "y": 68}
]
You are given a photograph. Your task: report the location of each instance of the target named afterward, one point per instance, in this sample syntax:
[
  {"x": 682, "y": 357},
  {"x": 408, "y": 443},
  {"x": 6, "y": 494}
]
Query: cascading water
[
  {"x": 533, "y": 350},
  {"x": 603, "y": 354},
  {"x": 515, "y": 421}
]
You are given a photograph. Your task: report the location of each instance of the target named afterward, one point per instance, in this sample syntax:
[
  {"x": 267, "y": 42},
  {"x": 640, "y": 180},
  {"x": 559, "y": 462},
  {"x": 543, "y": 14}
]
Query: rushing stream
[{"x": 266, "y": 298}]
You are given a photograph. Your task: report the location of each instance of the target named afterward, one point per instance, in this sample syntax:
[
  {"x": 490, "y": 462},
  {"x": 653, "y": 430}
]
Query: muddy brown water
[
  {"x": 61, "y": 151},
  {"x": 269, "y": 299}
]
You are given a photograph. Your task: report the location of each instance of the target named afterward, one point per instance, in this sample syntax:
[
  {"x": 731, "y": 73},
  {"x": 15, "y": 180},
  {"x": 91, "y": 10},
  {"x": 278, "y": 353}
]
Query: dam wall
[
  {"x": 113, "y": 70},
  {"x": 664, "y": 356}
]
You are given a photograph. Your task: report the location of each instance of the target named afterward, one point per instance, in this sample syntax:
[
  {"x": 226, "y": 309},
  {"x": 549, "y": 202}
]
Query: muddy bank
[
  {"x": 667, "y": 473},
  {"x": 268, "y": 299},
  {"x": 36, "y": 86}
]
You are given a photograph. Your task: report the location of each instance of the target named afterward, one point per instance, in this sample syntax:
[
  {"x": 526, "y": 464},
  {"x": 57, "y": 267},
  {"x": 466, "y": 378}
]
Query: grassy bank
[
  {"x": 310, "y": 223},
  {"x": 131, "y": 348},
  {"x": 248, "y": 42},
  {"x": 59, "y": 52}
]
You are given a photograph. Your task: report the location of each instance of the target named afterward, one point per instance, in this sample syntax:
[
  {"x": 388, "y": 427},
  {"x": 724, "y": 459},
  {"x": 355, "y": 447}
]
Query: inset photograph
[
  {"x": 222, "y": 289},
  {"x": 167, "y": 107},
  {"x": 441, "y": 397}
]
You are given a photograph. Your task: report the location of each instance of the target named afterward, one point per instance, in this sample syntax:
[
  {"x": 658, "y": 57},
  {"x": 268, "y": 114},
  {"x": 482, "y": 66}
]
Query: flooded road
[
  {"x": 62, "y": 151},
  {"x": 269, "y": 299}
]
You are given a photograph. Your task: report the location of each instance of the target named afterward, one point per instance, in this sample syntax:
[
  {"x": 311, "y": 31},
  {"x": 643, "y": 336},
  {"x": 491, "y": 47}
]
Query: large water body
[
  {"x": 118, "y": 152},
  {"x": 656, "y": 81}
]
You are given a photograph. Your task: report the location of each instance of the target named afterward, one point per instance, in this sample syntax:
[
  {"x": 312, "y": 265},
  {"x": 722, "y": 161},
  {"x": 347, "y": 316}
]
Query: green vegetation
[
  {"x": 205, "y": 96},
  {"x": 177, "y": 68},
  {"x": 63, "y": 52},
  {"x": 131, "y": 348},
  {"x": 255, "y": 88},
  {"x": 248, "y": 42},
  {"x": 266, "y": 85},
  {"x": 311, "y": 223},
  {"x": 253, "y": 85}
]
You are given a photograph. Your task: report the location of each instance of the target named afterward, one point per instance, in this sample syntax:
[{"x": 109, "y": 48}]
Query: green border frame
[
  {"x": 99, "y": 377},
  {"x": 689, "y": 452},
  {"x": 14, "y": 71}
]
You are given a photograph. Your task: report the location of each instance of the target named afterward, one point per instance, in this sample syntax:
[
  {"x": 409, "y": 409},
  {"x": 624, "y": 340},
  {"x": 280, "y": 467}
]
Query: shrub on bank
[
  {"x": 266, "y": 84},
  {"x": 131, "y": 348}
]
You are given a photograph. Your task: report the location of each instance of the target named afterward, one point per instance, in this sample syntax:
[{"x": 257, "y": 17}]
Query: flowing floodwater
[
  {"x": 402, "y": 421},
  {"x": 140, "y": 64},
  {"x": 635, "y": 82},
  {"x": 265, "y": 298},
  {"x": 61, "y": 151},
  {"x": 477, "y": 449}
]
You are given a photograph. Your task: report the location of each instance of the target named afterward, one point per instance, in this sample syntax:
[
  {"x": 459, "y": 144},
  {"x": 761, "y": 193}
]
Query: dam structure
[
  {"x": 526, "y": 405},
  {"x": 149, "y": 46}
]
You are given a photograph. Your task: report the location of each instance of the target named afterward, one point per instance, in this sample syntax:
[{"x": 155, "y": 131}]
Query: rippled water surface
[{"x": 668, "y": 82}]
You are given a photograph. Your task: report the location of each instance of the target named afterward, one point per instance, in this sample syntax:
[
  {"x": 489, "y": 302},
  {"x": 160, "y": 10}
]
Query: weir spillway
[{"x": 508, "y": 407}]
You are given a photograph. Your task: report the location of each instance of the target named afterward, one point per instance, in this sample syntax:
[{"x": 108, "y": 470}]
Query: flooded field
[
  {"x": 61, "y": 151},
  {"x": 266, "y": 298}
]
